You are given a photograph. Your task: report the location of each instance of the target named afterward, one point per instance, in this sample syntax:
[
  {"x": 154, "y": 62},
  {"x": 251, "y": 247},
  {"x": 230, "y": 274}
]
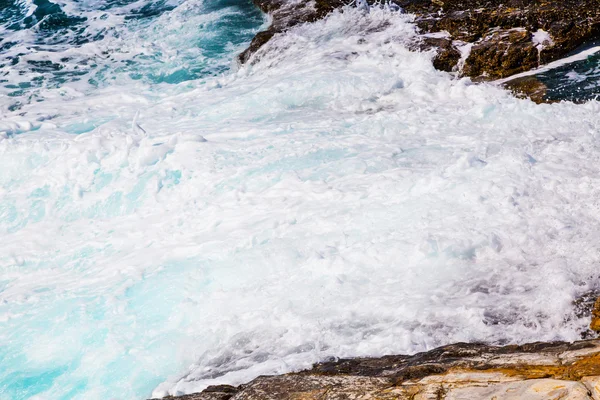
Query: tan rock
[
  {"x": 593, "y": 385},
  {"x": 533, "y": 389}
]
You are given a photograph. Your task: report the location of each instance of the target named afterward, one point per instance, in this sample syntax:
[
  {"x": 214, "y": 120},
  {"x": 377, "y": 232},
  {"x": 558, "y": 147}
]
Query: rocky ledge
[
  {"x": 467, "y": 371},
  {"x": 495, "y": 38},
  {"x": 460, "y": 371}
]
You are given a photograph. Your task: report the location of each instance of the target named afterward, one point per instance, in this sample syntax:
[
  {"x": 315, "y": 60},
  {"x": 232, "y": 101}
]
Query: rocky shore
[
  {"x": 459, "y": 371},
  {"x": 493, "y": 38},
  {"x": 467, "y": 371}
]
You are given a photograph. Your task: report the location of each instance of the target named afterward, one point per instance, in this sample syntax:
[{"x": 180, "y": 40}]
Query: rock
[
  {"x": 447, "y": 56},
  {"x": 528, "y": 87},
  {"x": 285, "y": 14},
  {"x": 595, "y": 324},
  {"x": 588, "y": 306},
  {"x": 593, "y": 385},
  {"x": 507, "y": 37},
  {"x": 462, "y": 371},
  {"x": 500, "y": 54},
  {"x": 217, "y": 392}
]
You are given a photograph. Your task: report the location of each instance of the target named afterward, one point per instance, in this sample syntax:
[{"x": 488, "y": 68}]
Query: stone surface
[
  {"x": 461, "y": 371},
  {"x": 592, "y": 383}
]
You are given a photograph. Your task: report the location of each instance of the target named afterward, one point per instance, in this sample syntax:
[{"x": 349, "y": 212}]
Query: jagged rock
[
  {"x": 216, "y": 392},
  {"x": 508, "y": 37},
  {"x": 462, "y": 371},
  {"x": 550, "y": 29},
  {"x": 285, "y": 14},
  {"x": 502, "y": 53},
  {"x": 447, "y": 56}
]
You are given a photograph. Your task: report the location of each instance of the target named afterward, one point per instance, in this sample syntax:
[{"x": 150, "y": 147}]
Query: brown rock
[
  {"x": 528, "y": 87},
  {"x": 595, "y": 324},
  {"x": 502, "y": 54},
  {"x": 500, "y": 30},
  {"x": 447, "y": 55}
]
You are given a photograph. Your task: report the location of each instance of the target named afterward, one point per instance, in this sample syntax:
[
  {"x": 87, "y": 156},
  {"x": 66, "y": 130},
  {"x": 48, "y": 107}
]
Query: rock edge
[
  {"x": 555, "y": 370},
  {"x": 506, "y": 37}
]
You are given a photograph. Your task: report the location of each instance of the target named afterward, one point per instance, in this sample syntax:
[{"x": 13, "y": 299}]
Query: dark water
[{"x": 578, "y": 81}]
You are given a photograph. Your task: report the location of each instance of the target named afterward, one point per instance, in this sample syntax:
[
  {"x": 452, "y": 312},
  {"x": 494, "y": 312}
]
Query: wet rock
[
  {"x": 285, "y": 14},
  {"x": 447, "y": 56},
  {"x": 588, "y": 306},
  {"x": 595, "y": 324},
  {"x": 506, "y": 37},
  {"x": 528, "y": 87},
  {"x": 510, "y": 36},
  {"x": 500, "y": 54},
  {"x": 460, "y": 371},
  {"x": 216, "y": 392}
]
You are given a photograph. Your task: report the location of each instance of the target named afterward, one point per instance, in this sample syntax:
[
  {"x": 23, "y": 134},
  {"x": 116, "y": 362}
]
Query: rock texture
[
  {"x": 461, "y": 371},
  {"x": 506, "y": 37},
  {"x": 528, "y": 86},
  {"x": 510, "y": 36}
]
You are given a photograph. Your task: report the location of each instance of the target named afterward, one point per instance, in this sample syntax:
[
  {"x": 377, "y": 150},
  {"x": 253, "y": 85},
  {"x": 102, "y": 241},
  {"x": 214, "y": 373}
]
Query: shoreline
[
  {"x": 504, "y": 43},
  {"x": 538, "y": 370}
]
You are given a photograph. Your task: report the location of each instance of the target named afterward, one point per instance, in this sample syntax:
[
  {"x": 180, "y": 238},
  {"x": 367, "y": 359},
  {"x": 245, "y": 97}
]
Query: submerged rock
[
  {"x": 285, "y": 14},
  {"x": 461, "y": 371}
]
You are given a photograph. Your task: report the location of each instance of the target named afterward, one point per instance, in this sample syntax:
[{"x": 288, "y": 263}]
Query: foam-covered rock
[{"x": 456, "y": 372}]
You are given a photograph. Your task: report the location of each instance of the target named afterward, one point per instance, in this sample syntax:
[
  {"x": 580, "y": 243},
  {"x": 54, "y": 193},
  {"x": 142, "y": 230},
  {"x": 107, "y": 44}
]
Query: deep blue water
[{"x": 577, "y": 81}]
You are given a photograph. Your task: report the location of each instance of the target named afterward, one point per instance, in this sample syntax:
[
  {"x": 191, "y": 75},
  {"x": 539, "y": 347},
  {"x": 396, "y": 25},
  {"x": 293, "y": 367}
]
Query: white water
[{"x": 349, "y": 200}]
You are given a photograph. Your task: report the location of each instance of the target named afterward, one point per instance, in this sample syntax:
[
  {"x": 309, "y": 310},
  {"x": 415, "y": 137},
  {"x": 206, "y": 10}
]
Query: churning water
[{"x": 168, "y": 221}]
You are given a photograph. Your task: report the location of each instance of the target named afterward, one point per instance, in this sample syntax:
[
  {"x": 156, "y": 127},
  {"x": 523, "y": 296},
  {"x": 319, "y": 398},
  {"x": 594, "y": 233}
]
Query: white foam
[
  {"x": 542, "y": 39},
  {"x": 437, "y": 35},
  {"x": 348, "y": 200}
]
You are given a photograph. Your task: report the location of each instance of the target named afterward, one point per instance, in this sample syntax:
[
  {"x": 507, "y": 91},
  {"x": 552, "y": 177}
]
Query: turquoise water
[
  {"x": 44, "y": 45},
  {"x": 91, "y": 45}
]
